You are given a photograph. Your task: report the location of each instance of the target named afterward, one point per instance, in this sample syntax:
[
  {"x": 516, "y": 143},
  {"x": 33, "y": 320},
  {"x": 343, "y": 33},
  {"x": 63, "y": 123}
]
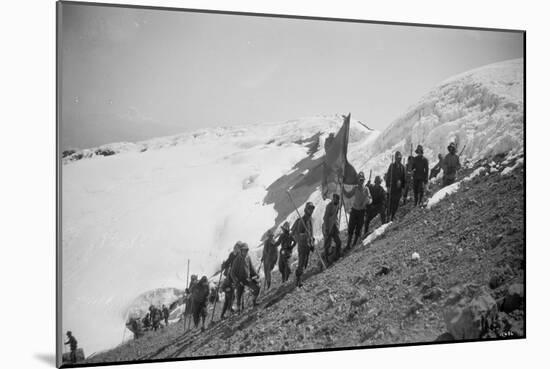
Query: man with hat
[
  {"x": 71, "y": 341},
  {"x": 378, "y": 205},
  {"x": 244, "y": 275},
  {"x": 409, "y": 178},
  {"x": 330, "y": 228},
  {"x": 287, "y": 244},
  {"x": 450, "y": 165},
  {"x": 395, "y": 181},
  {"x": 302, "y": 232},
  {"x": 189, "y": 297},
  {"x": 421, "y": 172},
  {"x": 361, "y": 198},
  {"x": 227, "y": 284},
  {"x": 200, "y": 293},
  {"x": 269, "y": 256}
]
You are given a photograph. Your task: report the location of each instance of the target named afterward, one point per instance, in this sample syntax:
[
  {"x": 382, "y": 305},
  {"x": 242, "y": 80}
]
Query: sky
[{"x": 133, "y": 74}]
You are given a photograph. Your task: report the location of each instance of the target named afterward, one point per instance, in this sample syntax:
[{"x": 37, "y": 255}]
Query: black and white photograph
[{"x": 236, "y": 184}]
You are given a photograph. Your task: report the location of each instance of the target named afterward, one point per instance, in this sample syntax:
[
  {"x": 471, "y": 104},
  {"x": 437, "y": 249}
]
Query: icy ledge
[
  {"x": 376, "y": 233},
  {"x": 444, "y": 192}
]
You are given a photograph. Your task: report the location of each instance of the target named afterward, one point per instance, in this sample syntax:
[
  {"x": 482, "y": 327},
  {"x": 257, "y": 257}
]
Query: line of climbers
[{"x": 369, "y": 201}]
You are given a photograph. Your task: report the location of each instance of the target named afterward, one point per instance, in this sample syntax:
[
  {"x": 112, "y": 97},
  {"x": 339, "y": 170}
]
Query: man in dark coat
[
  {"x": 71, "y": 341},
  {"x": 244, "y": 275},
  {"x": 146, "y": 321},
  {"x": 378, "y": 205},
  {"x": 165, "y": 314},
  {"x": 450, "y": 165},
  {"x": 269, "y": 256},
  {"x": 156, "y": 317},
  {"x": 395, "y": 181},
  {"x": 227, "y": 284},
  {"x": 420, "y": 175},
  {"x": 409, "y": 178},
  {"x": 302, "y": 232},
  {"x": 199, "y": 294},
  {"x": 330, "y": 228},
  {"x": 361, "y": 198},
  {"x": 287, "y": 244},
  {"x": 134, "y": 325}
]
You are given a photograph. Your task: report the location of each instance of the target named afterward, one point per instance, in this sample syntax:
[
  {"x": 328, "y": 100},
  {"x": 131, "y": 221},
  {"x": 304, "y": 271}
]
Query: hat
[
  {"x": 237, "y": 246},
  {"x": 286, "y": 226},
  {"x": 419, "y": 149},
  {"x": 377, "y": 179},
  {"x": 398, "y": 153},
  {"x": 204, "y": 279},
  {"x": 244, "y": 246},
  {"x": 360, "y": 176}
]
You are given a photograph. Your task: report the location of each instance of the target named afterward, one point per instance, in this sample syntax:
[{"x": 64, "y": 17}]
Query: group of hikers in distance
[{"x": 367, "y": 202}]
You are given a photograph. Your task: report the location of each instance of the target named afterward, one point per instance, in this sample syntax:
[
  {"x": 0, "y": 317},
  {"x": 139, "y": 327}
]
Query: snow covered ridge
[
  {"x": 481, "y": 110},
  {"x": 277, "y": 133}
]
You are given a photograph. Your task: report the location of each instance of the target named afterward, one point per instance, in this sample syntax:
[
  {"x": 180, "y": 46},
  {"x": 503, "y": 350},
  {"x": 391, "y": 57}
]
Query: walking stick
[
  {"x": 185, "y": 316},
  {"x": 187, "y": 280},
  {"x": 304, "y": 224},
  {"x": 390, "y": 191},
  {"x": 461, "y": 151},
  {"x": 216, "y": 299}
]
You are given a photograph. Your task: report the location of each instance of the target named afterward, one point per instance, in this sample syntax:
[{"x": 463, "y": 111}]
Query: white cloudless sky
[{"x": 132, "y": 74}]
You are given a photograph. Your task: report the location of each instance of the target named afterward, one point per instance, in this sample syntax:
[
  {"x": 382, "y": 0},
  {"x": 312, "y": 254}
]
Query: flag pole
[{"x": 344, "y": 172}]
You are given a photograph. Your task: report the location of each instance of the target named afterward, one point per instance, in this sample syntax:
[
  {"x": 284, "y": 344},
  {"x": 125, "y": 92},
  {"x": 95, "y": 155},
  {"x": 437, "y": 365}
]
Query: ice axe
[
  {"x": 461, "y": 151},
  {"x": 304, "y": 225}
]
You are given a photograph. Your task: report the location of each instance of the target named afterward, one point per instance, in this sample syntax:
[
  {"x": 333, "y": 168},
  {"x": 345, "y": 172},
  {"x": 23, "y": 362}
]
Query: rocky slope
[{"x": 467, "y": 284}]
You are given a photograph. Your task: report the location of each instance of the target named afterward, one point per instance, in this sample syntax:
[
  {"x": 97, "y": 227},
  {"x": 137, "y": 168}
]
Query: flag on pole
[{"x": 337, "y": 172}]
